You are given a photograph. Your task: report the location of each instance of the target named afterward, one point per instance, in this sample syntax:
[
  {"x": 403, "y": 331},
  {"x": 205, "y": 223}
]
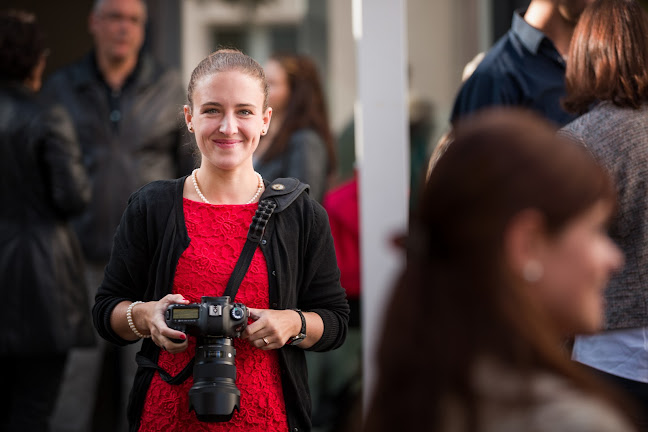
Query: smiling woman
[
  {"x": 179, "y": 241},
  {"x": 228, "y": 119},
  {"x": 228, "y": 112}
]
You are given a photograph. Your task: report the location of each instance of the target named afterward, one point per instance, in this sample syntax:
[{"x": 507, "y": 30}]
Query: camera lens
[
  {"x": 237, "y": 313},
  {"x": 214, "y": 396}
]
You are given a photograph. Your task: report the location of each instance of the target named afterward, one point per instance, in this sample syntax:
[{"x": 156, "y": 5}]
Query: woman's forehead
[{"x": 229, "y": 84}]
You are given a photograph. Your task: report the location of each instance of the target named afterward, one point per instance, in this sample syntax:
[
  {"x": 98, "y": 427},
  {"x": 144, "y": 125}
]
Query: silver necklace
[{"x": 202, "y": 197}]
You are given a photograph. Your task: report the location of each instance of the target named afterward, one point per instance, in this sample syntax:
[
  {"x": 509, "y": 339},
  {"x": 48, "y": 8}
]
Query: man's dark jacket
[
  {"x": 147, "y": 144},
  {"x": 302, "y": 270}
]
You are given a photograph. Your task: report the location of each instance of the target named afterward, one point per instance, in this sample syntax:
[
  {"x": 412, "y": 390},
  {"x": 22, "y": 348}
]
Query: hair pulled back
[{"x": 225, "y": 60}]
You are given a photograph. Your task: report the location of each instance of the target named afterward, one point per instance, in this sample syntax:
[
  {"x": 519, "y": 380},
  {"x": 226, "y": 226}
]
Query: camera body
[
  {"x": 213, "y": 316},
  {"x": 215, "y": 321}
]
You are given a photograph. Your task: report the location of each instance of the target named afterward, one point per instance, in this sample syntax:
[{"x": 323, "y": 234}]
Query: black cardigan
[{"x": 302, "y": 270}]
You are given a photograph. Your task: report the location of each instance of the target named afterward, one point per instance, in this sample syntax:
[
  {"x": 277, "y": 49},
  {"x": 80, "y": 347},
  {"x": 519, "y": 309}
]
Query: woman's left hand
[{"x": 271, "y": 328}]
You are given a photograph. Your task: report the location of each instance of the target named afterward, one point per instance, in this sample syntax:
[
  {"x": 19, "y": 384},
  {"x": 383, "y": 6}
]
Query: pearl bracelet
[{"x": 129, "y": 318}]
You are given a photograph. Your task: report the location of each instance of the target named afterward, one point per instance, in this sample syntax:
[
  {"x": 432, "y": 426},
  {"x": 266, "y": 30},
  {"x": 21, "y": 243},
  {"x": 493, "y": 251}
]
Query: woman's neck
[{"x": 223, "y": 187}]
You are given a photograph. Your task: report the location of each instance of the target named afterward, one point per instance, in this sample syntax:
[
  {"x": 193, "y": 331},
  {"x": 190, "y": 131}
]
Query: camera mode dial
[{"x": 237, "y": 313}]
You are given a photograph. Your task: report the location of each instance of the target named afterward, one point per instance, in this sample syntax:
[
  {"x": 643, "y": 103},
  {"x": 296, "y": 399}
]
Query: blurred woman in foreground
[{"x": 507, "y": 256}]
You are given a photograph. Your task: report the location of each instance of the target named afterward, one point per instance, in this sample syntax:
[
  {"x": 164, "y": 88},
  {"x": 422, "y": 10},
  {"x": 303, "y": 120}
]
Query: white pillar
[{"x": 382, "y": 147}]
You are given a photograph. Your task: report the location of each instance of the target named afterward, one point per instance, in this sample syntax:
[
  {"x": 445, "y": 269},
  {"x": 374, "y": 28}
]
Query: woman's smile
[{"x": 226, "y": 142}]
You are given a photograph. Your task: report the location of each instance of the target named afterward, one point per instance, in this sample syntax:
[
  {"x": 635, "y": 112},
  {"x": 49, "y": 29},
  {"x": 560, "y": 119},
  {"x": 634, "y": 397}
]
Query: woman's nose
[{"x": 228, "y": 125}]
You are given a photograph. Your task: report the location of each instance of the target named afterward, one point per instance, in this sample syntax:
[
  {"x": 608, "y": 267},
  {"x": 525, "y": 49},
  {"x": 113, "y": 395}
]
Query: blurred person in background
[
  {"x": 607, "y": 82},
  {"x": 300, "y": 143},
  {"x": 126, "y": 111},
  {"x": 526, "y": 66},
  {"x": 335, "y": 378},
  {"x": 421, "y": 126},
  {"x": 507, "y": 257},
  {"x": 45, "y": 304}
]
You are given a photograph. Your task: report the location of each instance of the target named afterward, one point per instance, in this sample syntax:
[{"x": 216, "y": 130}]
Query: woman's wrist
[
  {"x": 130, "y": 318},
  {"x": 299, "y": 334}
]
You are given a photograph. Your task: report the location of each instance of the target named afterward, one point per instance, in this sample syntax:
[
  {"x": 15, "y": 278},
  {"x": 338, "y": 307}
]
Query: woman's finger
[{"x": 256, "y": 314}]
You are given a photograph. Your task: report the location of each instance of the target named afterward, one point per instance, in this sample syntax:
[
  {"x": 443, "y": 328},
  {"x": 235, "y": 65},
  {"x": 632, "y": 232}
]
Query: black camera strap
[
  {"x": 255, "y": 233},
  {"x": 145, "y": 362}
]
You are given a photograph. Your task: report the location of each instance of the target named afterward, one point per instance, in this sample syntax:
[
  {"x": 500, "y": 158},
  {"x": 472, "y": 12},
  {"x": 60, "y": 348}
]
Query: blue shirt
[
  {"x": 623, "y": 353},
  {"x": 523, "y": 69}
]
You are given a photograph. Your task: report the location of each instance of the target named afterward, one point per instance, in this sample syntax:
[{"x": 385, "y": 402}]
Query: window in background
[{"x": 260, "y": 41}]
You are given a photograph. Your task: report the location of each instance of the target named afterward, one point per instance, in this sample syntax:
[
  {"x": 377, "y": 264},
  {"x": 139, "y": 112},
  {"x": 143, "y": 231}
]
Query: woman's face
[
  {"x": 578, "y": 263},
  {"x": 227, "y": 118},
  {"x": 278, "y": 85}
]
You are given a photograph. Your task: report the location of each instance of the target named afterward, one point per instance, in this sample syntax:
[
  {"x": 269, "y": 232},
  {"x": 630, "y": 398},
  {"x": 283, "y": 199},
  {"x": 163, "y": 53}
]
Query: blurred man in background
[{"x": 125, "y": 108}]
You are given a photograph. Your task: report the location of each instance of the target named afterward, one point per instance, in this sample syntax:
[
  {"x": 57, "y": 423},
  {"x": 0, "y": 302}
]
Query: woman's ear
[
  {"x": 266, "y": 119},
  {"x": 188, "y": 117},
  {"x": 524, "y": 241}
]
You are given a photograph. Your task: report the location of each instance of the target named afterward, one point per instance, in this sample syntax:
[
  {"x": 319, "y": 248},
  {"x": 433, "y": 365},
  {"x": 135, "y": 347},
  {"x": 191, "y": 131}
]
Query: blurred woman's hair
[
  {"x": 306, "y": 107},
  {"x": 608, "y": 56},
  {"x": 457, "y": 301},
  {"x": 22, "y": 44}
]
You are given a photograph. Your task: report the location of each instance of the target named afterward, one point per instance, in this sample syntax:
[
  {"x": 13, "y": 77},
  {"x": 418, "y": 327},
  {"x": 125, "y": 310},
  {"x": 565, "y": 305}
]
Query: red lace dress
[{"x": 217, "y": 234}]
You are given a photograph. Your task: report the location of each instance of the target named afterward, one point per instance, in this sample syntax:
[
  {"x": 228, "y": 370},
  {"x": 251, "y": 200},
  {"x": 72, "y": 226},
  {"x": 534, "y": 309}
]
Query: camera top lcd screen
[{"x": 188, "y": 313}]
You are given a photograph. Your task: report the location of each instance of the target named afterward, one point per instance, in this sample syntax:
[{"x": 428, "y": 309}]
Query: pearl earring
[
  {"x": 532, "y": 271},
  {"x": 190, "y": 128}
]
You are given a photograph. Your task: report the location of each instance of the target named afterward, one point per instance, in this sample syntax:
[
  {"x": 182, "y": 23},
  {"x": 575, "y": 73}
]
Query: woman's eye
[
  {"x": 211, "y": 111},
  {"x": 245, "y": 112}
]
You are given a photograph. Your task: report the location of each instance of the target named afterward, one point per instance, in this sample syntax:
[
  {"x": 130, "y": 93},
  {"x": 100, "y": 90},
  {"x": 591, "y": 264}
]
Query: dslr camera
[{"x": 215, "y": 321}]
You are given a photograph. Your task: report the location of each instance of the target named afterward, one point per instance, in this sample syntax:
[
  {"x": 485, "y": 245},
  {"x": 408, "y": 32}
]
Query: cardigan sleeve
[
  {"x": 126, "y": 272},
  {"x": 324, "y": 294}
]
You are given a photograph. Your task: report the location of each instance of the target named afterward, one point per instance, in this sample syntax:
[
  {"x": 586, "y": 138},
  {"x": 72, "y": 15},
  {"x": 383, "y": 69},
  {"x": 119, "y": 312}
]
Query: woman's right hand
[{"x": 161, "y": 334}]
